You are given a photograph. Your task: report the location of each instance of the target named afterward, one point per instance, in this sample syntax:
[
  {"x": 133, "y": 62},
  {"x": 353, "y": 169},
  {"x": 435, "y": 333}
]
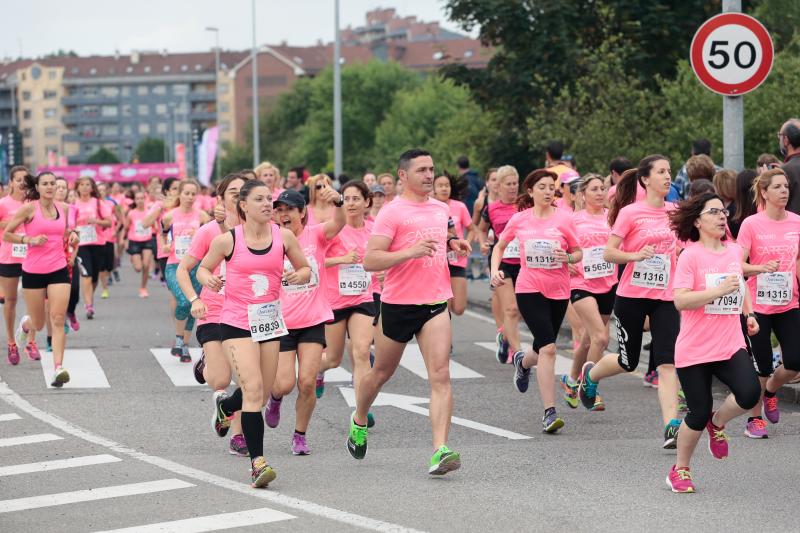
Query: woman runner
[
  {"x": 92, "y": 216},
  {"x": 139, "y": 239}
]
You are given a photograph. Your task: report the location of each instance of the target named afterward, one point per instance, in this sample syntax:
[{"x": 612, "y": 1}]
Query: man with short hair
[
  {"x": 294, "y": 180},
  {"x": 410, "y": 241},
  {"x": 789, "y": 145},
  {"x": 680, "y": 183},
  {"x": 387, "y": 182},
  {"x": 474, "y": 181},
  {"x": 552, "y": 160}
]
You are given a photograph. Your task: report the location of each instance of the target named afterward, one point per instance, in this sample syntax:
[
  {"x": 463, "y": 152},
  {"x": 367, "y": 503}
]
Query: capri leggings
[
  {"x": 664, "y": 326},
  {"x": 92, "y": 260},
  {"x": 542, "y": 315},
  {"x": 184, "y": 307},
  {"x": 737, "y": 373},
  {"x": 786, "y": 326}
]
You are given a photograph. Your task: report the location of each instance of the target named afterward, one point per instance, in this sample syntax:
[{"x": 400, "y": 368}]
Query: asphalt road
[{"x": 140, "y": 451}]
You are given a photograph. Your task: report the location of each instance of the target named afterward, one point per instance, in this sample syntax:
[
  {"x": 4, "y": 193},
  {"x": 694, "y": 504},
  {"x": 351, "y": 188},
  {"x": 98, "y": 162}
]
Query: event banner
[{"x": 123, "y": 173}]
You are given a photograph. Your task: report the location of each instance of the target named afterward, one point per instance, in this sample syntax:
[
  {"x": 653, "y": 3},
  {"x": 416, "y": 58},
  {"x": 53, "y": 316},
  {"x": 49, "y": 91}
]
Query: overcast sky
[{"x": 37, "y": 27}]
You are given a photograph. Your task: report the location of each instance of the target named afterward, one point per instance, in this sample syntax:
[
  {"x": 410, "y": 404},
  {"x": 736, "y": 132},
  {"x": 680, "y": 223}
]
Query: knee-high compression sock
[
  {"x": 233, "y": 403},
  {"x": 253, "y": 429}
]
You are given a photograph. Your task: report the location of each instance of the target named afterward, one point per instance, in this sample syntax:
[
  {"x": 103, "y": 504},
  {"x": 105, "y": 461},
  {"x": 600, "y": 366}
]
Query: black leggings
[
  {"x": 786, "y": 326},
  {"x": 542, "y": 315},
  {"x": 737, "y": 373},
  {"x": 75, "y": 288},
  {"x": 664, "y": 326}
]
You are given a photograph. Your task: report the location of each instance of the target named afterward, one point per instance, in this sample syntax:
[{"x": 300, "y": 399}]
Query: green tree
[
  {"x": 103, "y": 156},
  {"x": 150, "y": 150},
  {"x": 236, "y": 157}
]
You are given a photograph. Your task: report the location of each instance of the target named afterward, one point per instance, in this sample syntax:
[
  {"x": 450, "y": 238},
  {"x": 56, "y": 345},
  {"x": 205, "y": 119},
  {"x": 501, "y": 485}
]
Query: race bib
[
  {"x": 87, "y": 234},
  {"x": 512, "y": 250},
  {"x": 312, "y": 284},
  {"x": 539, "y": 254},
  {"x": 594, "y": 266},
  {"x": 19, "y": 250},
  {"x": 182, "y": 243},
  {"x": 266, "y": 321},
  {"x": 353, "y": 280},
  {"x": 140, "y": 231},
  {"x": 452, "y": 257},
  {"x": 730, "y": 304},
  {"x": 774, "y": 288},
  {"x": 651, "y": 273}
]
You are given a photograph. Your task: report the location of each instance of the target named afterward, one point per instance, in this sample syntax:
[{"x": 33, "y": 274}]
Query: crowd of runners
[{"x": 278, "y": 277}]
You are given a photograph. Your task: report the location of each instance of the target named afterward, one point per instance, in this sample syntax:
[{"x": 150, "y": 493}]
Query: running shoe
[
  {"x": 198, "y": 368},
  {"x": 177, "y": 347},
  {"x": 238, "y": 446},
  {"x": 72, "y": 319},
  {"x": 185, "y": 357},
  {"x": 570, "y": 391},
  {"x": 551, "y": 422},
  {"x": 89, "y": 311},
  {"x": 320, "y": 384},
  {"x": 680, "y": 480},
  {"x": 501, "y": 350},
  {"x": 21, "y": 335},
  {"x": 143, "y": 293},
  {"x": 104, "y": 294},
  {"x": 299, "y": 446},
  {"x": 13, "y": 354},
  {"x": 444, "y": 460},
  {"x": 60, "y": 376},
  {"x": 599, "y": 404},
  {"x": 756, "y": 428},
  {"x": 116, "y": 276},
  {"x": 647, "y": 346},
  {"x": 522, "y": 375},
  {"x": 219, "y": 420},
  {"x": 357, "y": 440},
  {"x": 651, "y": 379},
  {"x": 33, "y": 351},
  {"x": 262, "y": 474},
  {"x": 671, "y": 435},
  {"x": 682, "y": 406},
  {"x": 272, "y": 416},
  {"x": 587, "y": 389},
  {"x": 771, "y": 410},
  {"x": 49, "y": 346},
  {"x": 370, "y": 420},
  {"x": 717, "y": 440}
]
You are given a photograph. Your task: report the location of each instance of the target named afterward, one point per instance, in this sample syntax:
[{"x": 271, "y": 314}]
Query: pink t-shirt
[
  {"x": 561, "y": 203},
  {"x": 424, "y": 280},
  {"x": 184, "y": 226},
  {"x": 595, "y": 275},
  {"x": 158, "y": 206},
  {"x": 307, "y": 305},
  {"x": 136, "y": 231},
  {"x": 766, "y": 240},
  {"x": 11, "y": 253},
  {"x": 349, "y": 285},
  {"x": 461, "y": 219},
  {"x": 109, "y": 233},
  {"x": 639, "y": 225},
  {"x": 538, "y": 238},
  {"x": 201, "y": 242},
  {"x": 697, "y": 267},
  {"x": 497, "y": 215},
  {"x": 91, "y": 234}
]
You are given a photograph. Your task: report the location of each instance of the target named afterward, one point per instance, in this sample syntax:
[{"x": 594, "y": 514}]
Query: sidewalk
[{"x": 479, "y": 299}]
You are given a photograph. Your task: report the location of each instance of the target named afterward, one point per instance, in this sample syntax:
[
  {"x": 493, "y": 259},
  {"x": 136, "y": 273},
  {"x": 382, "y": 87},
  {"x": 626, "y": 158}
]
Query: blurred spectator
[
  {"x": 474, "y": 182},
  {"x": 744, "y": 204},
  {"x": 701, "y": 186},
  {"x": 766, "y": 162},
  {"x": 681, "y": 179},
  {"x": 789, "y": 144},
  {"x": 725, "y": 184},
  {"x": 387, "y": 182}
]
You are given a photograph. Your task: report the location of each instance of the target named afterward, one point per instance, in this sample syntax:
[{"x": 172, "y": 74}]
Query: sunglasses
[{"x": 319, "y": 186}]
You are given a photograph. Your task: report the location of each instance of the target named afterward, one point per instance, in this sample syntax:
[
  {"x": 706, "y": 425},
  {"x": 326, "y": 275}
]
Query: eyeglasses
[{"x": 714, "y": 211}]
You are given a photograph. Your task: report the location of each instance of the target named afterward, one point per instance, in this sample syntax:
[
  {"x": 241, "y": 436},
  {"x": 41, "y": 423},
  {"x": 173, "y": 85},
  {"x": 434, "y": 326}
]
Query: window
[
  {"x": 144, "y": 129},
  {"x": 126, "y": 90},
  {"x": 28, "y": 151},
  {"x": 141, "y": 90},
  {"x": 166, "y": 68},
  {"x": 26, "y": 113},
  {"x": 90, "y": 110},
  {"x": 184, "y": 68},
  {"x": 109, "y": 111},
  {"x": 27, "y": 132},
  {"x": 198, "y": 67},
  {"x": 127, "y": 130},
  {"x": 26, "y": 95},
  {"x": 127, "y": 110},
  {"x": 92, "y": 71},
  {"x": 52, "y": 73},
  {"x": 49, "y": 112},
  {"x": 179, "y": 89},
  {"x": 469, "y": 53},
  {"x": 159, "y": 90},
  {"x": 180, "y": 109},
  {"x": 75, "y": 70},
  {"x": 110, "y": 130},
  {"x": 109, "y": 92},
  {"x": 161, "y": 109},
  {"x": 129, "y": 69},
  {"x": 49, "y": 95},
  {"x": 225, "y": 125},
  {"x": 161, "y": 128},
  {"x": 51, "y": 148},
  {"x": 143, "y": 110},
  {"x": 51, "y": 132},
  {"x": 181, "y": 127},
  {"x": 147, "y": 69},
  {"x": 223, "y": 88}
]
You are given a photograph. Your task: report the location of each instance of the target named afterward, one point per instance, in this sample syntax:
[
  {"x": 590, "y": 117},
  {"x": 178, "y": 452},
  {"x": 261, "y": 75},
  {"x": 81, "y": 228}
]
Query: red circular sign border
[{"x": 702, "y": 73}]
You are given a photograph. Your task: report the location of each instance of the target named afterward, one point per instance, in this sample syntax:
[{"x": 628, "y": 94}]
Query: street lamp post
[
  {"x": 218, "y": 159},
  {"x": 256, "y": 147},
  {"x": 337, "y": 96}
]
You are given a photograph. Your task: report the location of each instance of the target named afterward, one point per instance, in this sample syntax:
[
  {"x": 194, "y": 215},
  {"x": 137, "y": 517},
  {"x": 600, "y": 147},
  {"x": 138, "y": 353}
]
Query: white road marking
[
  {"x": 88, "y": 495},
  {"x": 409, "y": 403},
  {"x": 9, "y": 416},
  {"x": 413, "y": 362},
  {"x": 59, "y": 464},
  {"x": 210, "y": 523},
  {"x": 84, "y": 370},
  {"x": 329, "y": 513},
  {"x": 338, "y": 375},
  {"x": 180, "y": 374},
  {"x": 563, "y": 364},
  {"x": 28, "y": 439}
]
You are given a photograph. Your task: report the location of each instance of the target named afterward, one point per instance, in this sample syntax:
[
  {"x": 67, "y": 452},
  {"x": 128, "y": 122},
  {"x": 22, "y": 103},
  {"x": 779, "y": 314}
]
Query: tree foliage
[
  {"x": 103, "y": 156},
  {"x": 150, "y": 150}
]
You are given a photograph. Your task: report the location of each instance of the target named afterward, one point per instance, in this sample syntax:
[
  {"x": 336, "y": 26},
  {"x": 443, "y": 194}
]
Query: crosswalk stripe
[
  {"x": 84, "y": 370},
  {"x": 180, "y": 374},
  {"x": 563, "y": 364},
  {"x": 88, "y": 495},
  {"x": 9, "y": 416},
  {"x": 28, "y": 439},
  {"x": 337, "y": 375},
  {"x": 210, "y": 523},
  {"x": 59, "y": 464},
  {"x": 413, "y": 362}
]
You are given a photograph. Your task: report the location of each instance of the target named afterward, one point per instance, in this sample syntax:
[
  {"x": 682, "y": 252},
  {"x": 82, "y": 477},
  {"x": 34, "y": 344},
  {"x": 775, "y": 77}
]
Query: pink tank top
[
  {"x": 136, "y": 231},
  {"x": 48, "y": 257},
  {"x": 184, "y": 226},
  {"x": 11, "y": 254},
  {"x": 251, "y": 278}
]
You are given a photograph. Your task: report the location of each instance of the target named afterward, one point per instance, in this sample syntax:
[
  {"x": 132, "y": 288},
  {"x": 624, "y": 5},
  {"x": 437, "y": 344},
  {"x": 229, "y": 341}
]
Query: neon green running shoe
[
  {"x": 443, "y": 461},
  {"x": 357, "y": 440},
  {"x": 570, "y": 391},
  {"x": 682, "y": 407}
]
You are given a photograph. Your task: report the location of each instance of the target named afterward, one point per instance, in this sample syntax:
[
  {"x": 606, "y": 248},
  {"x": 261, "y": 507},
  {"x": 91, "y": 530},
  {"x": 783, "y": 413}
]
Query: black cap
[{"x": 290, "y": 197}]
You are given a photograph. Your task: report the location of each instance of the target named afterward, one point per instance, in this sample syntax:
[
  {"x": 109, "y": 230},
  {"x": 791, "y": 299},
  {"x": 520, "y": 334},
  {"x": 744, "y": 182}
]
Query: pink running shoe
[
  {"x": 33, "y": 351},
  {"x": 13, "y": 354},
  {"x": 771, "y": 409},
  {"x": 680, "y": 480},
  {"x": 73, "y": 322},
  {"x": 299, "y": 446},
  {"x": 272, "y": 416},
  {"x": 717, "y": 439},
  {"x": 756, "y": 429},
  {"x": 238, "y": 446}
]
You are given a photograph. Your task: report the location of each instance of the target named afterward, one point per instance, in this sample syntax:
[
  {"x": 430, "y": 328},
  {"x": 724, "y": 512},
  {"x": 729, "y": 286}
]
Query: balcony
[
  {"x": 202, "y": 96},
  {"x": 76, "y": 118},
  {"x": 85, "y": 99},
  {"x": 83, "y": 139},
  {"x": 202, "y": 115}
]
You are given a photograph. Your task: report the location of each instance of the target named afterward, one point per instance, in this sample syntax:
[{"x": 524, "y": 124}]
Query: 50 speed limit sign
[{"x": 731, "y": 54}]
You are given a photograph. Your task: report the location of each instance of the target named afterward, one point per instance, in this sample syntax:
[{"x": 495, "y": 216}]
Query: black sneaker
[
  {"x": 198, "y": 369},
  {"x": 522, "y": 376},
  {"x": 116, "y": 276},
  {"x": 184, "y": 356},
  {"x": 671, "y": 436},
  {"x": 219, "y": 420},
  {"x": 551, "y": 422}
]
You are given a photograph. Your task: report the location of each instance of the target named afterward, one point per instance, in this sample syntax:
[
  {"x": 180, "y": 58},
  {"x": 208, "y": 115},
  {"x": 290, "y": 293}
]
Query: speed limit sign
[{"x": 731, "y": 54}]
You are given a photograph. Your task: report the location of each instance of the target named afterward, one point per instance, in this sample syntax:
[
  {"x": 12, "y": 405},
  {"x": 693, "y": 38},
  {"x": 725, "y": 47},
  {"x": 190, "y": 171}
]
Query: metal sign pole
[{"x": 732, "y": 115}]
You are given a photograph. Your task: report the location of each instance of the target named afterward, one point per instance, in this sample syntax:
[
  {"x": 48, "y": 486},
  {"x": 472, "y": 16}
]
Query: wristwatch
[{"x": 339, "y": 202}]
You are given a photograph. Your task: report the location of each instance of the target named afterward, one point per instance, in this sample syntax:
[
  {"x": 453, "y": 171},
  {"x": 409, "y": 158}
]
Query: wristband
[
  {"x": 451, "y": 239},
  {"x": 339, "y": 202},
  {"x": 191, "y": 301},
  {"x": 569, "y": 258}
]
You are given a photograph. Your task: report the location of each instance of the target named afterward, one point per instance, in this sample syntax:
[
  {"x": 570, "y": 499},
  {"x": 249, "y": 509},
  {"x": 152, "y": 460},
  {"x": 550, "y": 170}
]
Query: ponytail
[{"x": 629, "y": 184}]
